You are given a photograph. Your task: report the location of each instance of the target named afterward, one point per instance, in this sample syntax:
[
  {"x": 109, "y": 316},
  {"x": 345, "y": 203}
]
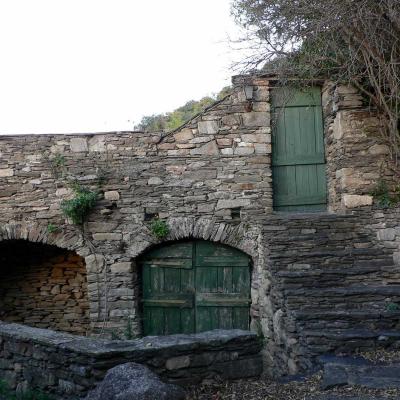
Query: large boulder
[{"x": 133, "y": 381}]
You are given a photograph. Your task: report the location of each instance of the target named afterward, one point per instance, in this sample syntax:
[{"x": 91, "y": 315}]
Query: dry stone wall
[
  {"x": 211, "y": 180},
  {"x": 43, "y": 286},
  {"x": 332, "y": 286},
  {"x": 68, "y": 366},
  {"x": 357, "y": 157}
]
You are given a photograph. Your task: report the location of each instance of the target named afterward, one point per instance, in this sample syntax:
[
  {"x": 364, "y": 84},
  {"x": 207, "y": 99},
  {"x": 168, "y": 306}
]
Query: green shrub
[
  {"x": 51, "y": 228},
  {"x": 384, "y": 197},
  {"x": 159, "y": 228},
  {"x": 80, "y": 205}
]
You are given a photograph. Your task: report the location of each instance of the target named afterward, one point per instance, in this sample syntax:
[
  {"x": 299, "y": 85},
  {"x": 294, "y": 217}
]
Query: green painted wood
[
  {"x": 222, "y": 286},
  {"x": 168, "y": 286},
  {"x": 195, "y": 286},
  {"x": 298, "y": 159}
]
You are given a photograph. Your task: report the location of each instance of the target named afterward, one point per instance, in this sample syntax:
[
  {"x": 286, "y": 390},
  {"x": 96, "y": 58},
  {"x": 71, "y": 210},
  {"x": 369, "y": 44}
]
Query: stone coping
[{"x": 99, "y": 348}]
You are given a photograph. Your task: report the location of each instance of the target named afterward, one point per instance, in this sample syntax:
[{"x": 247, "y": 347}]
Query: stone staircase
[{"x": 337, "y": 283}]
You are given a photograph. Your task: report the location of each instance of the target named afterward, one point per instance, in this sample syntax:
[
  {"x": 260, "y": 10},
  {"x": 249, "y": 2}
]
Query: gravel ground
[
  {"x": 265, "y": 389},
  {"x": 381, "y": 355}
]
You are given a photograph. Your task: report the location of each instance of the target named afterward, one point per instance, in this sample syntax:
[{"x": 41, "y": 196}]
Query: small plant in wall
[
  {"x": 51, "y": 228},
  {"x": 384, "y": 196},
  {"x": 159, "y": 228},
  {"x": 77, "y": 208}
]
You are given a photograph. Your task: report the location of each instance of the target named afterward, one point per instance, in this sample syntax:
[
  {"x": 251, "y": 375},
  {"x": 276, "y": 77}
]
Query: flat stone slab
[
  {"x": 344, "y": 397},
  {"x": 357, "y": 371}
]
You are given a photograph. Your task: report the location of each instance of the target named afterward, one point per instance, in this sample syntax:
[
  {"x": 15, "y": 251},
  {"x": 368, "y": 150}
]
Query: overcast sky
[{"x": 100, "y": 65}]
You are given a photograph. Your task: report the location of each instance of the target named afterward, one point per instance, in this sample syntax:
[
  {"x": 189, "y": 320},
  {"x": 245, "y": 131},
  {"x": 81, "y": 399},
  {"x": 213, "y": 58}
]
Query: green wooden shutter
[
  {"x": 195, "y": 286},
  {"x": 298, "y": 156}
]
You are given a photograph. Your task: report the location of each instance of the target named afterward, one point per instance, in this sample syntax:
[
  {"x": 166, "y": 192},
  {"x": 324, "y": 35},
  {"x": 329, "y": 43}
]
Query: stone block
[
  {"x": 111, "y": 195},
  {"x": 97, "y": 143},
  {"x": 244, "y": 151},
  {"x": 208, "y": 149},
  {"x": 208, "y": 127},
  {"x": 177, "y": 363},
  {"x": 121, "y": 268},
  {"x": 227, "y": 152},
  {"x": 261, "y": 148},
  {"x": 386, "y": 234},
  {"x": 79, "y": 145},
  {"x": 224, "y": 142},
  {"x": 378, "y": 149},
  {"x": 155, "y": 181},
  {"x": 183, "y": 136},
  {"x": 6, "y": 172},
  {"x": 224, "y": 204},
  {"x": 353, "y": 200},
  {"x": 254, "y": 119},
  {"x": 107, "y": 236},
  {"x": 231, "y": 120}
]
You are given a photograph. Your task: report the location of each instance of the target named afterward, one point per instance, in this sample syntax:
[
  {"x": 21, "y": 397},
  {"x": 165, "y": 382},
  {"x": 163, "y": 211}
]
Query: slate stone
[
  {"x": 335, "y": 396},
  {"x": 133, "y": 381},
  {"x": 340, "y": 371}
]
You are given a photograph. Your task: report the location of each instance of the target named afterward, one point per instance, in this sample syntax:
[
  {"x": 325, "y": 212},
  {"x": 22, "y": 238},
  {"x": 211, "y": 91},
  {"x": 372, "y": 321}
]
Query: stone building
[{"x": 277, "y": 235}]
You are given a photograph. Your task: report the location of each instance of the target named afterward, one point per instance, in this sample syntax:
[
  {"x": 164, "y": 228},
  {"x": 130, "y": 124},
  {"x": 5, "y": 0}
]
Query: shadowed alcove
[{"x": 43, "y": 286}]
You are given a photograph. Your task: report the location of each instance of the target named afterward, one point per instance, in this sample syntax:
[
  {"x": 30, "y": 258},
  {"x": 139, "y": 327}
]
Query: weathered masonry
[{"x": 271, "y": 226}]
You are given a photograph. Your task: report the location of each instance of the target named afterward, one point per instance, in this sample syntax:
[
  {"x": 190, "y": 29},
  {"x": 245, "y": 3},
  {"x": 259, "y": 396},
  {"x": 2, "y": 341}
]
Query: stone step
[
  {"x": 353, "y": 315},
  {"x": 342, "y": 335},
  {"x": 336, "y": 396},
  {"x": 343, "y": 291},
  {"x": 357, "y": 371},
  {"x": 331, "y": 271}
]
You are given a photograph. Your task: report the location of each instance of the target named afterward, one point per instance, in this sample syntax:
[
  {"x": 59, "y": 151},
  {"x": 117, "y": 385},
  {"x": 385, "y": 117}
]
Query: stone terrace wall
[
  {"x": 69, "y": 366},
  {"x": 332, "y": 286},
  {"x": 43, "y": 286}
]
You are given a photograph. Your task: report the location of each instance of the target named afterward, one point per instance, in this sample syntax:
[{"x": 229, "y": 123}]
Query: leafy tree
[
  {"x": 347, "y": 41},
  {"x": 172, "y": 120}
]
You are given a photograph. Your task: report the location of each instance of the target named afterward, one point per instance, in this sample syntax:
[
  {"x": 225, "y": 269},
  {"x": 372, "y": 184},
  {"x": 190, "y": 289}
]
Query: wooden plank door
[
  {"x": 168, "y": 290},
  {"x": 194, "y": 287},
  {"x": 222, "y": 287},
  {"x": 298, "y": 156}
]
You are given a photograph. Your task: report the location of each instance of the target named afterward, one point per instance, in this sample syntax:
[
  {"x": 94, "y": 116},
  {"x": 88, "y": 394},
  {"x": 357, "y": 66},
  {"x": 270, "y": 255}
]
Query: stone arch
[
  {"x": 241, "y": 236},
  {"x": 39, "y": 233},
  {"x": 70, "y": 241}
]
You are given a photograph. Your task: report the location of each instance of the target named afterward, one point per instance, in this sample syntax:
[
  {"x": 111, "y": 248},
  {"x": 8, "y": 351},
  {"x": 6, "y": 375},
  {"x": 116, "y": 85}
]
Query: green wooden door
[
  {"x": 194, "y": 287},
  {"x": 298, "y": 157}
]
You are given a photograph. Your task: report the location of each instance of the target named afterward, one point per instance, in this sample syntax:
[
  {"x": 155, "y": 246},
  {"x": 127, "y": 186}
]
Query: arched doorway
[
  {"x": 195, "y": 286},
  {"x": 43, "y": 286}
]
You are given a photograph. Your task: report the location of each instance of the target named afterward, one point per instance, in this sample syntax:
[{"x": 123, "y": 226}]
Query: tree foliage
[
  {"x": 347, "y": 41},
  {"x": 172, "y": 120}
]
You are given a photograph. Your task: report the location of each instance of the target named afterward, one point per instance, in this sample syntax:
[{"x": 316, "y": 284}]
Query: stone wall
[
  {"x": 211, "y": 180},
  {"x": 68, "y": 366},
  {"x": 332, "y": 286},
  {"x": 357, "y": 156},
  {"x": 43, "y": 286}
]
